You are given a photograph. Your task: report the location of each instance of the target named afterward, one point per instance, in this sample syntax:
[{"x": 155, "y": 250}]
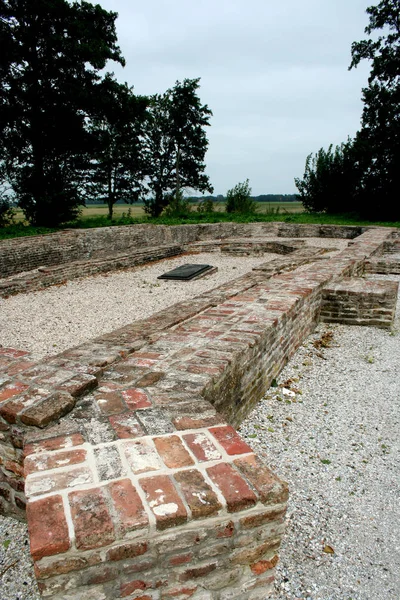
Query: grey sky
[{"x": 274, "y": 73}]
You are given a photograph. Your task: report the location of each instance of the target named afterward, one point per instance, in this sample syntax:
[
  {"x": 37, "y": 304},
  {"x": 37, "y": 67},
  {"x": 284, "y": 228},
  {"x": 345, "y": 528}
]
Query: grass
[{"x": 95, "y": 215}]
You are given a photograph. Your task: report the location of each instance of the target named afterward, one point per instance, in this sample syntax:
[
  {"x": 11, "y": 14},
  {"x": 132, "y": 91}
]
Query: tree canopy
[
  {"x": 175, "y": 144},
  {"x": 363, "y": 175},
  {"x": 52, "y": 53}
]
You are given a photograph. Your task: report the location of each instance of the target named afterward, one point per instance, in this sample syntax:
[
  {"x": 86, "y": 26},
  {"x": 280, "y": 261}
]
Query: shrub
[
  {"x": 238, "y": 199},
  {"x": 206, "y": 206}
]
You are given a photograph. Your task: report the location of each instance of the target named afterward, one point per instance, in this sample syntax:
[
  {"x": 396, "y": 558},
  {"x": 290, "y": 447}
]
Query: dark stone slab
[{"x": 186, "y": 272}]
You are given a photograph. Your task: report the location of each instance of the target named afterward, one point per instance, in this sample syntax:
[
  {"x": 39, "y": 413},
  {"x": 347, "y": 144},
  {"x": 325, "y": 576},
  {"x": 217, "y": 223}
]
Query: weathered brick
[
  {"x": 92, "y": 521},
  {"x": 262, "y": 518},
  {"x": 65, "y": 564},
  {"x": 128, "y": 506},
  {"x": 48, "y": 527},
  {"x": 230, "y": 440},
  {"x": 57, "y": 481},
  {"x": 269, "y": 487},
  {"x": 12, "y": 389},
  {"x": 172, "y": 452},
  {"x": 127, "y": 550},
  {"x": 164, "y": 501},
  {"x": 141, "y": 457},
  {"x": 43, "y": 462},
  {"x": 235, "y": 490},
  {"x": 50, "y": 409},
  {"x": 264, "y": 565},
  {"x": 126, "y": 426},
  {"x": 252, "y": 555},
  {"x": 55, "y": 443},
  {"x": 199, "y": 496},
  {"x": 197, "y": 572},
  {"x": 202, "y": 447},
  {"x": 136, "y": 398}
]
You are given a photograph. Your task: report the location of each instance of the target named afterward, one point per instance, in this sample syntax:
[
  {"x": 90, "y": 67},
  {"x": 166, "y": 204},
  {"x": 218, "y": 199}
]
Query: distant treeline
[
  {"x": 221, "y": 198},
  {"x": 262, "y": 198}
]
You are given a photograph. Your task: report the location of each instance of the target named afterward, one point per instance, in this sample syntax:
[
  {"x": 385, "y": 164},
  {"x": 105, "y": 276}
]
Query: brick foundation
[{"x": 137, "y": 485}]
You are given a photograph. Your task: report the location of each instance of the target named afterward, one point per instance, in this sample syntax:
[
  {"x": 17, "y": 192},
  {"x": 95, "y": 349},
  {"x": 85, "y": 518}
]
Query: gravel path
[{"x": 331, "y": 432}]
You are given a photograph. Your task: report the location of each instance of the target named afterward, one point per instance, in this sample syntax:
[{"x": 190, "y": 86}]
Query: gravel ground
[{"x": 330, "y": 429}]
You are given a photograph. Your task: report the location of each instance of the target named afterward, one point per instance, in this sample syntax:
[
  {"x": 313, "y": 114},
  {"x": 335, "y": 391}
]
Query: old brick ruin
[{"x": 123, "y": 449}]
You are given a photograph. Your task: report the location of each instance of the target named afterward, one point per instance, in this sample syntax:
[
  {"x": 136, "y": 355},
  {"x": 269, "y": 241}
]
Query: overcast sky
[{"x": 274, "y": 73}]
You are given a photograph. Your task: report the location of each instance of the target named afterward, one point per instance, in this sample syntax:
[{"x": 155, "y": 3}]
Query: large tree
[
  {"x": 175, "y": 144},
  {"x": 116, "y": 167},
  {"x": 378, "y": 141},
  {"x": 52, "y": 53},
  {"x": 363, "y": 175}
]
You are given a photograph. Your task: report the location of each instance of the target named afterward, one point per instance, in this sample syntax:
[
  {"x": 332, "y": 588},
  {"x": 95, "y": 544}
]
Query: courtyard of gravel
[{"x": 329, "y": 427}]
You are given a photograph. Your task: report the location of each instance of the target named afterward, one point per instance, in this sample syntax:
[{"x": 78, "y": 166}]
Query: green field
[{"x": 137, "y": 210}]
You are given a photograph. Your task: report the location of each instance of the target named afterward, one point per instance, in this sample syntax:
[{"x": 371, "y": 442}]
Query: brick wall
[
  {"x": 25, "y": 254},
  {"x": 137, "y": 485},
  {"x": 360, "y": 302}
]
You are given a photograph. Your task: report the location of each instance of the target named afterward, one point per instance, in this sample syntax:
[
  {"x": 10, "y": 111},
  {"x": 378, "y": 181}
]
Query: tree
[
  {"x": 362, "y": 175},
  {"x": 116, "y": 166},
  {"x": 330, "y": 179},
  {"x": 379, "y": 138},
  {"x": 53, "y": 52},
  {"x": 175, "y": 144},
  {"x": 238, "y": 199}
]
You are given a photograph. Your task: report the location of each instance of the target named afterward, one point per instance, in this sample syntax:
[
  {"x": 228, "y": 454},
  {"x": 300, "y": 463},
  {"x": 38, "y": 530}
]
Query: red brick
[
  {"x": 261, "y": 519},
  {"x": 128, "y": 506},
  {"x": 12, "y": 353},
  {"x": 150, "y": 379},
  {"x": 180, "y": 559},
  {"x": 173, "y": 452},
  {"x": 198, "y": 572},
  {"x": 14, "y": 467},
  {"x": 230, "y": 440},
  {"x": 50, "y": 409},
  {"x": 128, "y": 550},
  {"x": 182, "y": 423},
  {"x": 126, "y": 426},
  {"x": 12, "y": 389},
  {"x": 136, "y": 398},
  {"x": 164, "y": 501},
  {"x": 78, "y": 384},
  {"x": 91, "y": 518},
  {"x": 264, "y": 565},
  {"x": 51, "y": 482},
  {"x": 202, "y": 447},
  {"x": 182, "y": 593},
  {"x": 142, "y": 457},
  {"x": 43, "y": 462},
  {"x": 19, "y": 367},
  {"x": 224, "y": 531},
  {"x": 48, "y": 527},
  {"x": 201, "y": 499},
  {"x": 235, "y": 490},
  {"x": 269, "y": 487},
  {"x": 56, "y": 443},
  {"x": 110, "y": 402},
  {"x": 129, "y": 588},
  {"x": 66, "y": 565}
]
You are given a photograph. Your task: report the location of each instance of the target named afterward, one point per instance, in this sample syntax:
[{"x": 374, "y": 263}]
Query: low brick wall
[
  {"x": 137, "y": 484},
  {"x": 360, "y": 302},
  {"x": 55, "y": 275},
  {"x": 26, "y": 254}
]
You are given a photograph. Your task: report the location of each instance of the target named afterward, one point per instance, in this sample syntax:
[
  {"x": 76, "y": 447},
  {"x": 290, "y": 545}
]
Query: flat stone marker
[{"x": 187, "y": 272}]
